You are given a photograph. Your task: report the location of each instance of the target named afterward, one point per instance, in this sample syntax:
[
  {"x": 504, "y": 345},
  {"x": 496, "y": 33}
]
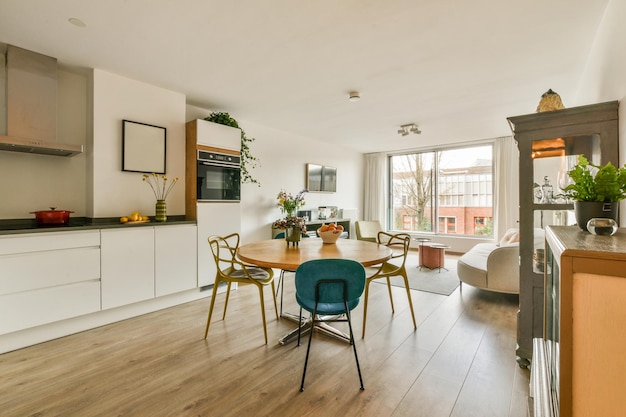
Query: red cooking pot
[{"x": 52, "y": 217}]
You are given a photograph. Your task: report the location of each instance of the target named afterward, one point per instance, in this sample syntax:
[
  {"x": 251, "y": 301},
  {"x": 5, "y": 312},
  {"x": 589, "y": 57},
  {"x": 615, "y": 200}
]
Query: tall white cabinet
[
  {"x": 213, "y": 218},
  {"x": 175, "y": 260}
]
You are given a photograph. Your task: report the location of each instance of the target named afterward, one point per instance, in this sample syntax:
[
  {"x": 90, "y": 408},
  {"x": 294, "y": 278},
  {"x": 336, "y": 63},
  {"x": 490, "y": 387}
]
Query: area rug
[{"x": 436, "y": 281}]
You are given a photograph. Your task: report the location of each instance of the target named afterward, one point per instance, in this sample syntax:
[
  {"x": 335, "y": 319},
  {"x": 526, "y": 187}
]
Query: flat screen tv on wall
[{"x": 320, "y": 178}]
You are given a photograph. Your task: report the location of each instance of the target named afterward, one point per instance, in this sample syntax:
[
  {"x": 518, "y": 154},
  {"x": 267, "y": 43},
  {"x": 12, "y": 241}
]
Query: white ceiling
[{"x": 457, "y": 68}]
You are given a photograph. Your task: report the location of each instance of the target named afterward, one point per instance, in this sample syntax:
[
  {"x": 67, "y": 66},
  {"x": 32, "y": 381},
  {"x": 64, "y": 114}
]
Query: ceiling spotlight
[
  {"x": 409, "y": 128},
  {"x": 354, "y": 96}
]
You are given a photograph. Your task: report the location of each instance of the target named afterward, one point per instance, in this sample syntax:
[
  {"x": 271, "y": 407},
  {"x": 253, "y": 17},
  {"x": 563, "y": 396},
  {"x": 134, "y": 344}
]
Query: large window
[{"x": 447, "y": 191}]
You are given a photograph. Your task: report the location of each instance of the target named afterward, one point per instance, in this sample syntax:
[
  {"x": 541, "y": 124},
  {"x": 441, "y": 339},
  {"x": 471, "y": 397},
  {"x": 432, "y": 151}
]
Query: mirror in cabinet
[{"x": 553, "y": 159}]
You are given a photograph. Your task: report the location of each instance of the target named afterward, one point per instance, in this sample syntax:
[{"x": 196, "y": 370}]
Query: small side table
[
  {"x": 421, "y": 240},
  {"x": 434, "y": 256}
]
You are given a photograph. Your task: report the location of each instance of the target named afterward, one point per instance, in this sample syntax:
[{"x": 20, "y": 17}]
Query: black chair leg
[
  {"x": 300, "y": 326},
  {"x": 356, "y": 357},
  {"x": 308, "y": 349},
  {"x": 280, "y": 279}
]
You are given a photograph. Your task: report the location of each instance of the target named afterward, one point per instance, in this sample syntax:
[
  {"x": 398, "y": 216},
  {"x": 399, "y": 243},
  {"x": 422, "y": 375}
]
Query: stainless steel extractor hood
[{"x": 31, "y": 92}]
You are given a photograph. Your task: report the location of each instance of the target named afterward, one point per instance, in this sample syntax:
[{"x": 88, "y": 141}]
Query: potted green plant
[
  {"x": 596, "y": 190},
  {"x": 247, "y": 160}
]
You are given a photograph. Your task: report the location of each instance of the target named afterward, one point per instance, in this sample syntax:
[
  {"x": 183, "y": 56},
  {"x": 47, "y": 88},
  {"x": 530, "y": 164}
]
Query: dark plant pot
[
  {"x": 587, "y": 210},
  {"x": 293, "y": 235}
]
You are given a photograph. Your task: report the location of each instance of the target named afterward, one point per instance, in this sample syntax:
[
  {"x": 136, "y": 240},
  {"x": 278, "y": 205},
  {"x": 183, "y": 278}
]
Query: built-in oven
[{"x": 219, "y": 176}]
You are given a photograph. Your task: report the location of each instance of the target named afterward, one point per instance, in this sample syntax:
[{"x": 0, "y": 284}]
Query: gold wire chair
[
  {"x": 400, "y": 242},
  {"x": 230, "y": 269}
]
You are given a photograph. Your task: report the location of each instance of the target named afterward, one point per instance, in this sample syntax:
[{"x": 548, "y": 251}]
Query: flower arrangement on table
[
  {"x": 290, "y": 222},
  {"x": 159, "y": 185},
  {"x": 289, "y": 204}
]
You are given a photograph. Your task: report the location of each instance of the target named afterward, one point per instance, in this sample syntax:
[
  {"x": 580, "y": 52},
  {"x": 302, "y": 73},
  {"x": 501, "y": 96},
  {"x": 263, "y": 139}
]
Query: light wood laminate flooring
[{"x": 459, "y": 362}]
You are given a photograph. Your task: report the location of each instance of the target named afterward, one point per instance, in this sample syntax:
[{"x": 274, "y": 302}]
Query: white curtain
[
  {"x": 375, "y": 193},
  {"x": 506, "y": 185}
]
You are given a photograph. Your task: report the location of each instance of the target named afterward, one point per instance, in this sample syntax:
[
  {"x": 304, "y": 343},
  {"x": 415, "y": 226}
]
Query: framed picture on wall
[
  {"x": 143, "y": 147},
  {"x": 320, "y": 178}
]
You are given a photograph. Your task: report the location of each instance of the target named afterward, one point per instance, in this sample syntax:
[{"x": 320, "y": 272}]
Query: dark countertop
[{"x": 24, "y": 226}]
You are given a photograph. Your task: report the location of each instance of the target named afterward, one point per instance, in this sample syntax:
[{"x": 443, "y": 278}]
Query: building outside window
[{"x": 452, "y": 186}]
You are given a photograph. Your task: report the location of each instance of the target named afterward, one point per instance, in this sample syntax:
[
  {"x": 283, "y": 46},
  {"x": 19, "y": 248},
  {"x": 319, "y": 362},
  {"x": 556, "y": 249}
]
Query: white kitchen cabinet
[
  {"x": 175, "y": 259},
  {"x": 215, "y": 135},
  {"x": 127, "y": 266},
  {"x": 48, "y": 277}
]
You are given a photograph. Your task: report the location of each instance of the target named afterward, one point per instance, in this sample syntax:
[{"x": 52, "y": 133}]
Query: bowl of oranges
[{"x": 330, "y": 232}]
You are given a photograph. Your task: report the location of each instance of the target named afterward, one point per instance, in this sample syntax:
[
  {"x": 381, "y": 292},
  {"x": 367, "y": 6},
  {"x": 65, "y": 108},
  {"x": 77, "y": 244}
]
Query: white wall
[
  {"x": 604, "y": 77},
  {"x": 115, "y": 192},
  {"x": 282, "y": 162}
]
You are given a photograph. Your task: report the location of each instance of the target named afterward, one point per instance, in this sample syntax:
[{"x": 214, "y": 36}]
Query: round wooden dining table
[{"x": 274, "y": 253}]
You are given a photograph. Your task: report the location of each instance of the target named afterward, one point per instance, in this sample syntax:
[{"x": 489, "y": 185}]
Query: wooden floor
[{"x": 459, "y": 362}]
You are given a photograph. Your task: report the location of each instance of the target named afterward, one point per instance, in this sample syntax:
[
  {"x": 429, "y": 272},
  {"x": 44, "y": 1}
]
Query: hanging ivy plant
[{"x": 247, "y": 160}]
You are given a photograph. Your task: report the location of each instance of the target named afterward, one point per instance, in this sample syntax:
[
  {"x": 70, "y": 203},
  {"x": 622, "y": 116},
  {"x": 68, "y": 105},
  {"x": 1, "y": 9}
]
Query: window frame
[{"x": 436, "y": 198}]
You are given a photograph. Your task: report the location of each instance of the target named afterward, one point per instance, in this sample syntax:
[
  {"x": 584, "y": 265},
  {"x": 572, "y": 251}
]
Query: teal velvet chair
[{"x": 329, "y": 289}]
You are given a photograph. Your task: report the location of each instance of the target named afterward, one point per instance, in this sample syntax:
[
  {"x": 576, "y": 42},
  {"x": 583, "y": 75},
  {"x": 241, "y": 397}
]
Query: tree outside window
[{"x": 448, "y": 188}]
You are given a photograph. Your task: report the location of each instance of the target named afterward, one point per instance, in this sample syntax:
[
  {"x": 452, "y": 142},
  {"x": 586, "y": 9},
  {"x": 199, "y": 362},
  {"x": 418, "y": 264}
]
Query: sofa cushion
[
  {"x": 511, "y": 236},
  {"x": 477, "y": 256}
]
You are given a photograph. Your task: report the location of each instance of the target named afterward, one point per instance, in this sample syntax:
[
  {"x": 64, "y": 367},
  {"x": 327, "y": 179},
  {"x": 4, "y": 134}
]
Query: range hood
[{"x": 31, "y": 93}]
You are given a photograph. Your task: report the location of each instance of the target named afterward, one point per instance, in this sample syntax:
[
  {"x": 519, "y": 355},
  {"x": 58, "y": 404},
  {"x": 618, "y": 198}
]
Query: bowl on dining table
[{"x": 329, "y": 236}]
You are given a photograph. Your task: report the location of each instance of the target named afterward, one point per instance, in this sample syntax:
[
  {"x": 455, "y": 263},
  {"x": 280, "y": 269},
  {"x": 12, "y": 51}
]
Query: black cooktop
[{"x": 20, "y": 224}]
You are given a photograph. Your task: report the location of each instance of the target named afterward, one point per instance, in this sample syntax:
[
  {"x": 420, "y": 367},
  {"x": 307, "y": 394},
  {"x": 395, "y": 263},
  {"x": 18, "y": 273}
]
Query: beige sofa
[{"x": 495, "y": 266}]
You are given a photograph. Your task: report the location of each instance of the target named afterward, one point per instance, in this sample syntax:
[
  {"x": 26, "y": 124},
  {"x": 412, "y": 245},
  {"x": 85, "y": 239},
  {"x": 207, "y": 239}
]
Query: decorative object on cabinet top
[
  {"x": 596, "y": 191},
  {"x": 602, "y": 226},
  {"x": 248, "y": 161},
  {"x": 550, "y": 101}
]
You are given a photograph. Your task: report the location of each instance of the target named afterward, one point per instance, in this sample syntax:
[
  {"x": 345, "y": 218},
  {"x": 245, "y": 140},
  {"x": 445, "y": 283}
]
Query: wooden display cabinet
[{"x": 549, "y": 143}]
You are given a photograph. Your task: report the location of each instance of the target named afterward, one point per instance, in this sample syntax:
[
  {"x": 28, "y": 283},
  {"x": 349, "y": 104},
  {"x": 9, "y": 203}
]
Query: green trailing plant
[
  {"x": 248, "y": 161},
  {"x": 608, "y": 185}
]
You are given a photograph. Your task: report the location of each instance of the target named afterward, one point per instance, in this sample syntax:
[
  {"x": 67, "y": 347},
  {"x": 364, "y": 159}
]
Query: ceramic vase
[
  {"x": 160, "y": 211},
  {"x": 587, "y": 210}
]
